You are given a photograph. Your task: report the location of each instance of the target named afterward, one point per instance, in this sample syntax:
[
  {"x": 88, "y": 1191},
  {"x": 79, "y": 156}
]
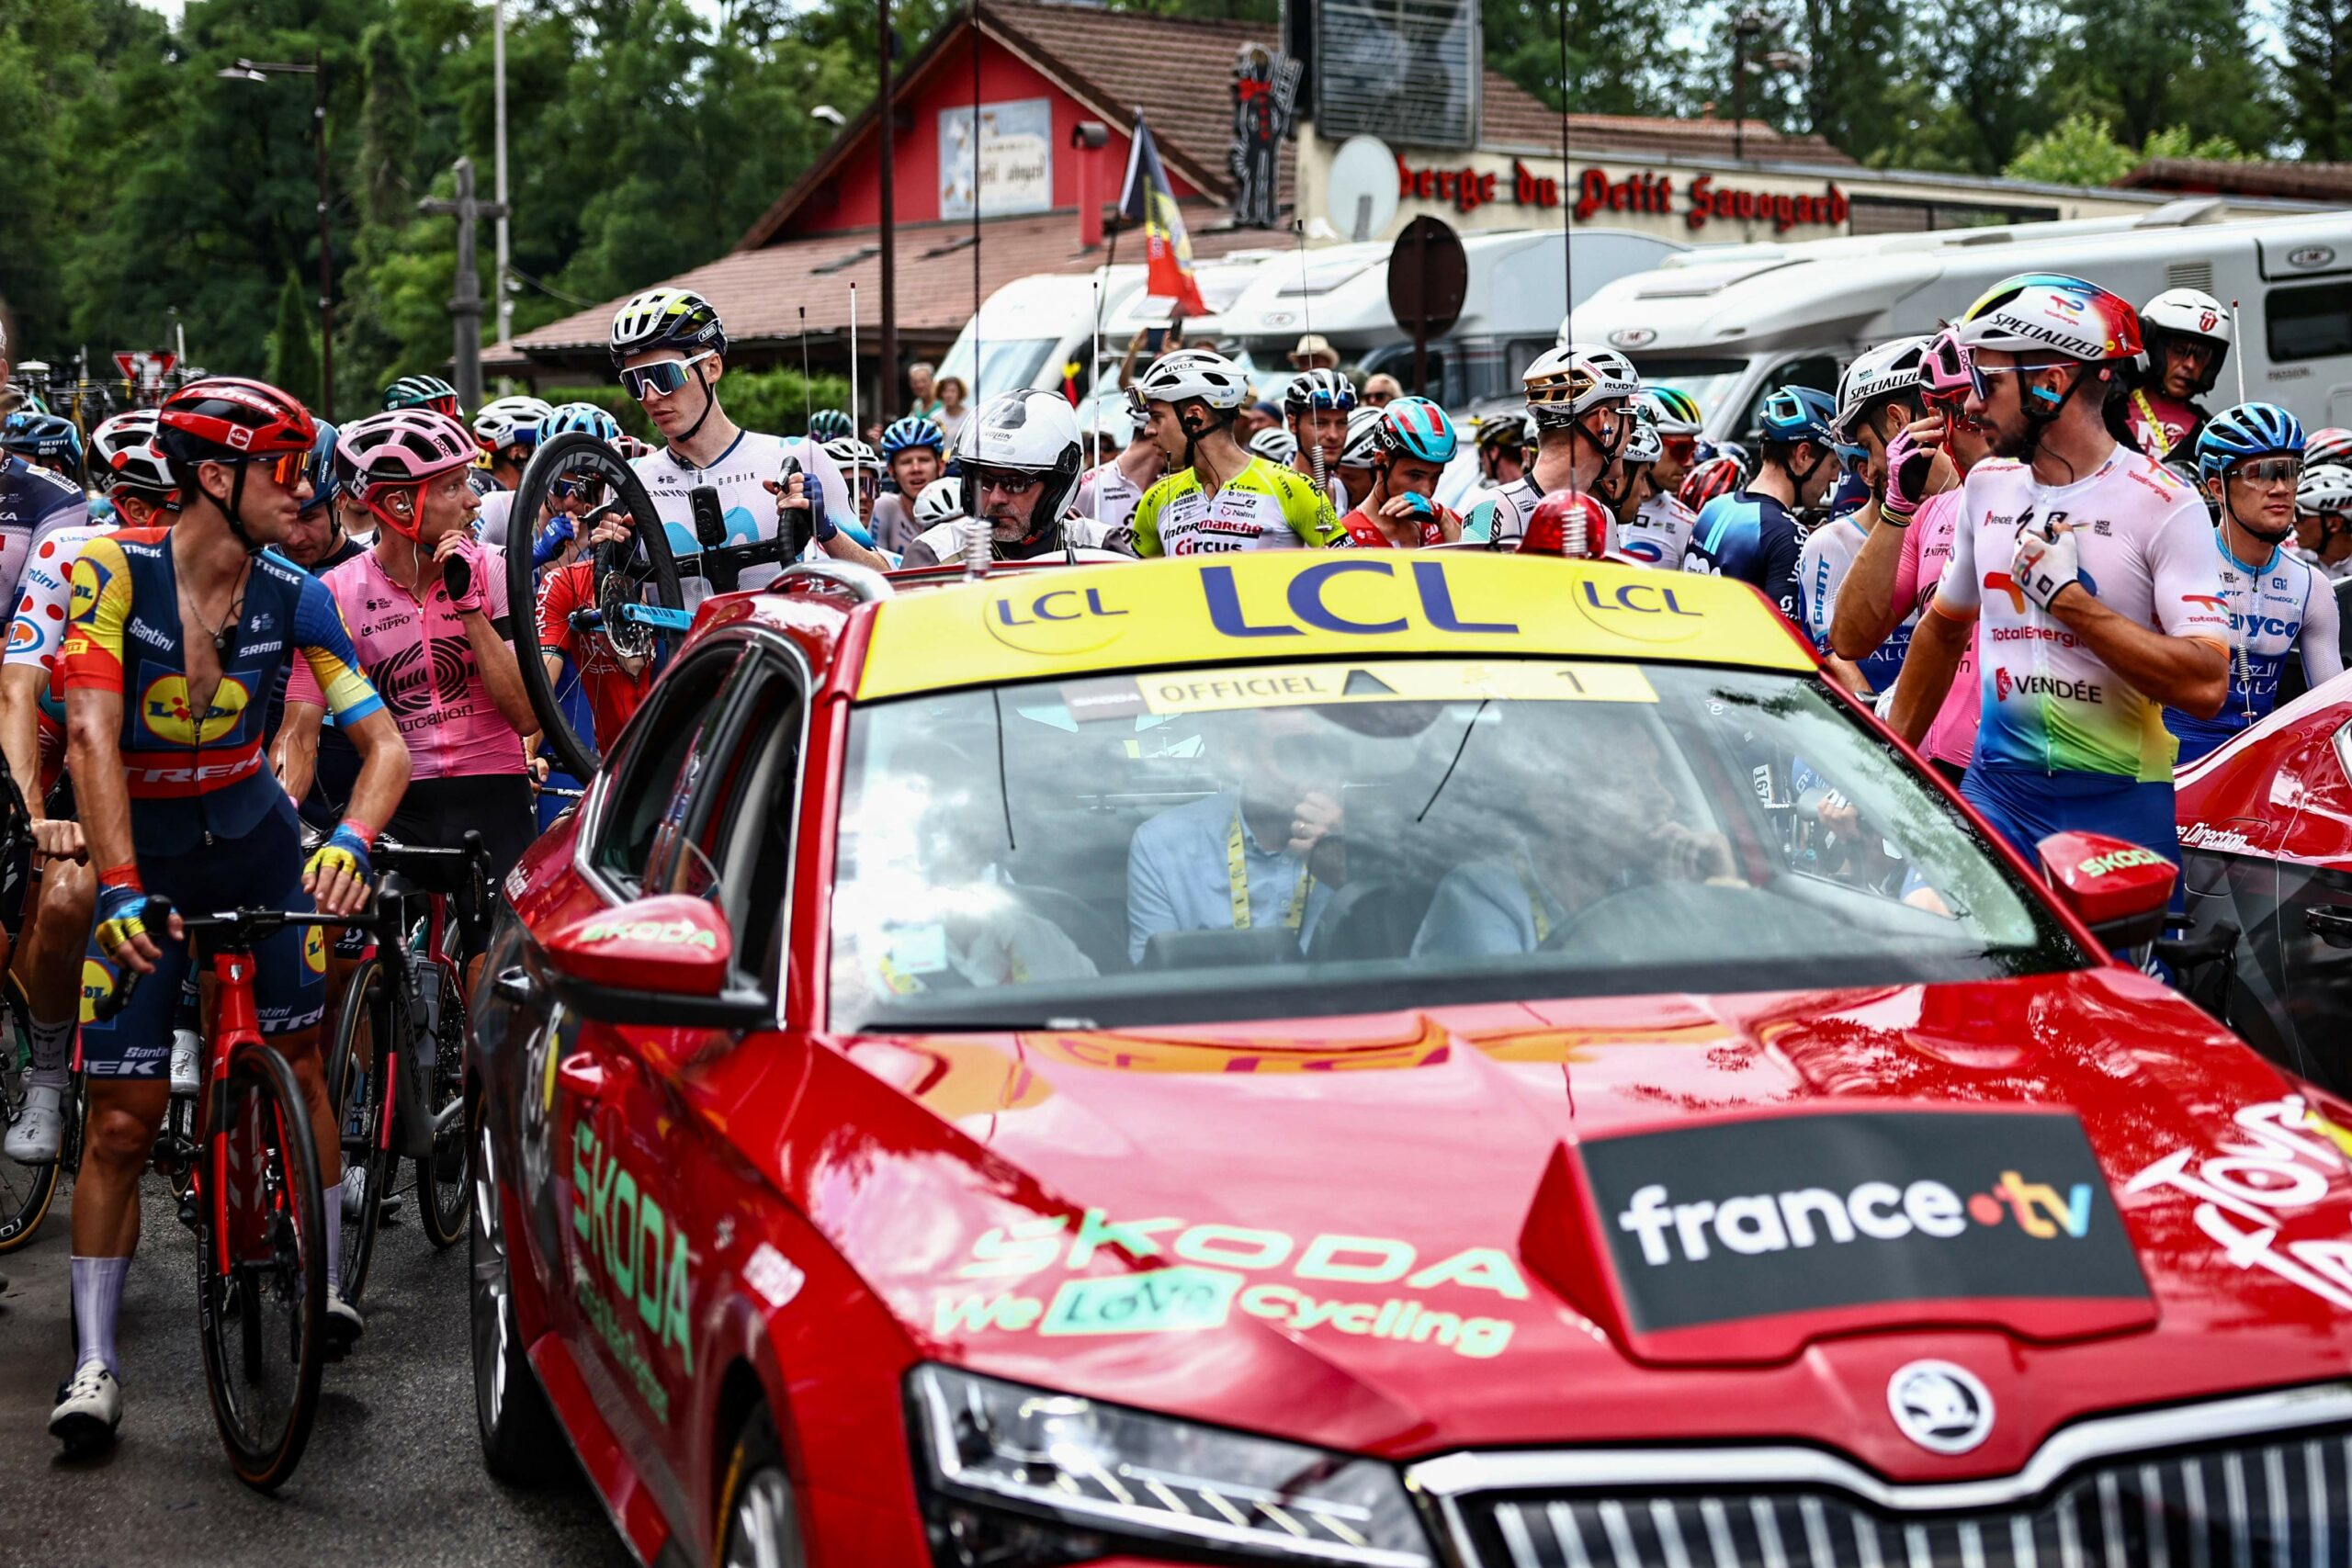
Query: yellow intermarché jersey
[{"x": 1263, "y": 507}]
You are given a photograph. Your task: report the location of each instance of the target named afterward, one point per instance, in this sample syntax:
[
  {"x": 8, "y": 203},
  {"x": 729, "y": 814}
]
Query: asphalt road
[{"x": 392, "y": 1474}]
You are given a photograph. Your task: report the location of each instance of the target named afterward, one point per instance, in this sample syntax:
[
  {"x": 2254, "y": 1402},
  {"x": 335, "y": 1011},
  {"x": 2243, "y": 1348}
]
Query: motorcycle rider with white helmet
[
  {"x": 2184, "y": 335},
  {"x": 1018, "y": 457}
]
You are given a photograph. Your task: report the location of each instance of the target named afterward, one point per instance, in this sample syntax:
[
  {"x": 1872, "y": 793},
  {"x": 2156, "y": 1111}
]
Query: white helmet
[
  {"x": 511, "y": 422},
  {"x": 1364, "y": 438},
  {"x": 2191, "y": 314},
  {"x": 2049, "y": 312},
  {"x": 940, "y": 501},
  {"x": 1565, "y": 382},
  {"x": 1029, "y": 432},
  {"x": 1190, "y": 373},
  {"x": 852, "y": 453},
  {"x": 1275, "y": 444},
  {"x": 1876, "y": 373},
  {"x": 2325, "y": 490},
  {"x": 1642, "y": 444}
]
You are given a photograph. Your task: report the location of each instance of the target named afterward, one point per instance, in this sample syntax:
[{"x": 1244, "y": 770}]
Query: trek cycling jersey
[
  {"x": 1263, "y": 507},
  {"x": 423, "y": 666},
  {"x": 741, "y": 475},
  {"x": 2050, "y": 704},
  {"x": 2273, "y": 607},
  {"x": 33, "y": 501},
  {"x": 1660, "y": 533},
  {"x": 1752, "y": 539},
  {"x": 194, "y": 779},
  {"x": 1823, "y": 561}
]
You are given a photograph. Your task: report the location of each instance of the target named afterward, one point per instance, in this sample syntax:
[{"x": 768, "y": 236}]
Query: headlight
[{"x": 1055, "y": 1477}]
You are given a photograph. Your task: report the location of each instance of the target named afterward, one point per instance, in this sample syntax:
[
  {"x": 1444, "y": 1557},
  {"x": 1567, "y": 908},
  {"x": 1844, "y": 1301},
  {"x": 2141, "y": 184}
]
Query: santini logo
[{"x": 1880, "y": 1211}]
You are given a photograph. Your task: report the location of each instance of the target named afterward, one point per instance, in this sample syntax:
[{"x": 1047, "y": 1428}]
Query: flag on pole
[{"x": 1149, "y": 198}]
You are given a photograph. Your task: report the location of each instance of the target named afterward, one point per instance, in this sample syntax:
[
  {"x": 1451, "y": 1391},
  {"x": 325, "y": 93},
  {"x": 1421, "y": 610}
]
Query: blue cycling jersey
[
  {"x": 1752, "y": 539},
  {"x": 2273, "y": 608}
]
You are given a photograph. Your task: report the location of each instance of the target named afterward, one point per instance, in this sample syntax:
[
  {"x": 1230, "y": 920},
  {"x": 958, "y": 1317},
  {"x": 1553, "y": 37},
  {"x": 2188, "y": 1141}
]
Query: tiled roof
[
  {"x": 760, "y": 293},
  {"x": 1631, "y": 136},
  {"x": 2304, "y": 182}
]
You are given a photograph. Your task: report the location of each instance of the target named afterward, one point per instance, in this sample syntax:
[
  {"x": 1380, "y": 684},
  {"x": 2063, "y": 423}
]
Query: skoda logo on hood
[{"x": 1943, "y": 1408}]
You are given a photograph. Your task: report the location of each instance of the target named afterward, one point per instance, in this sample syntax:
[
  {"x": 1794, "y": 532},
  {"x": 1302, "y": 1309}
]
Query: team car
[{"x": 1297, "y": 1057}]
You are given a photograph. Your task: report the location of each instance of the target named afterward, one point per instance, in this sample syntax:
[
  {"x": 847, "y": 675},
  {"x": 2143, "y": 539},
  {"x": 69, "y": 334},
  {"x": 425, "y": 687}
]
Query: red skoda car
[{"x": 1300, "y": 1059}]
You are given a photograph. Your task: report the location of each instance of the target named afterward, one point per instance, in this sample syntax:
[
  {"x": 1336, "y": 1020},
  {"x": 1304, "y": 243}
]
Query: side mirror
[
  {"x": 2116, "y": 887},
  {"x": 656, "y": 961}
]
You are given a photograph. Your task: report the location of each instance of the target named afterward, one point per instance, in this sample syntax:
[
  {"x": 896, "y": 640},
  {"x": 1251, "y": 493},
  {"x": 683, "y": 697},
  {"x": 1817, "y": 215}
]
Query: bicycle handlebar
[{"x": 244, "y": 925}]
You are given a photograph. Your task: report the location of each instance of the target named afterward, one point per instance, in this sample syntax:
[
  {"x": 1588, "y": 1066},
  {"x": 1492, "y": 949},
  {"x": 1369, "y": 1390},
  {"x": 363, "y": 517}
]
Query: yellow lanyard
[
  {"x": 1534, "y": 898},
  {"x": 2148, "y": 417},
  {"x": 1236, "y": 877}
]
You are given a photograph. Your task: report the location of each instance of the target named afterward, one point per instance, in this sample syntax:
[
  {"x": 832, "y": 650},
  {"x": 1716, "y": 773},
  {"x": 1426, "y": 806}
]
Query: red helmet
[
  {"x": 1716, "y": 476},
  {"x": 226, "y": 418},
  {"x": 1568, "y": 523}
]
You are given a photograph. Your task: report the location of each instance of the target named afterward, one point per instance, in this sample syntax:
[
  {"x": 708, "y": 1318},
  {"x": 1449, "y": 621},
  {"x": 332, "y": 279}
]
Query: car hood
[{"x": 1681, "y": 1217}]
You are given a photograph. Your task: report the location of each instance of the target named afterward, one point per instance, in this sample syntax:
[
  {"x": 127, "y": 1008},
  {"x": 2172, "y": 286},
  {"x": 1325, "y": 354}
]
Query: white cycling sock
[
  {"x": 98, "y": 1298},
  {"x": 52, "y": 1045},
  {"x": 334, "y": 1235}
]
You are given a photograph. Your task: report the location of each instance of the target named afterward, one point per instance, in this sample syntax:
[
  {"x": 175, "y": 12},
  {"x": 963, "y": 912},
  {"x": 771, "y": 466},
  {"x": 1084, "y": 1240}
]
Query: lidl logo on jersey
[
  {"x": 165, "y": 708},
  {"x": 90, "y": 580}
]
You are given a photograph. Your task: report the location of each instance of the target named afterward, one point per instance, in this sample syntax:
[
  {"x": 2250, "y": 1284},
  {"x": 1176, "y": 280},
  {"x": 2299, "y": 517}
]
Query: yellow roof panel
[{"x": 1289, "y": 605}]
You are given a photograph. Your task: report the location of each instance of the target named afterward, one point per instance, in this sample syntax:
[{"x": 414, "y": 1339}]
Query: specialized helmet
[
  {"x": 909, "y": 434},
  {"x": 1319, "y": 389},
  {"x": 1643, "y": 445},
  {"x": 829, "y": 424},
  {"x": 567, "y": 417},
  {"x": 1568, "y": 523},
  {"x": 940, "y": 501},
  {"x": 395, "y": 449},
  {"x": 1564, "y": 382},
  {"x": 1876, "y": 374},
  {"x": 2185, "y": 313},
  {"x": 511, "y": 422},
  {"x": 1418, "y": 428},
  {"x": 324, "y": 486},
  {"x": 228, "y": 419},
  {"x": 2248, "y": 430},
  {"x": 665, "y": 317},
  {"x": 1716, "y": 476},
  {"x": 43, "y": 436},
  {"x": 1673, "y": 411},
  {"x": 2049, "y": 312},
  {"x": 1029, "y": 432},
  {"x": 1275, "y": 444},
  {"x": 422, "y": 392},
  {"x": 1364, "y": 438},
  {"x": 1190, "y": 373},
  {"x": 2331, "y": 444},
  {"x": 850, "y": 452},
  {"x": 1792, "y": 414},
  {"x": 123, "y": 454}
]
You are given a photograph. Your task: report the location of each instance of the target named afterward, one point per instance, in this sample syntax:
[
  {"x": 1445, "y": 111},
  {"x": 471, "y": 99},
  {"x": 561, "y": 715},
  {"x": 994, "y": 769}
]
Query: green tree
[
  {"x": 293, "y": 345},
  {"x": 2081, "y": 151},
  {"x": 2146, "y": 65},
  {"x": 2317, "y": 77}
]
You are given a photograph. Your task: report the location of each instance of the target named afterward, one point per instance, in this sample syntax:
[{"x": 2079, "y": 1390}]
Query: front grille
[{"x": 2283, "y": 1504}]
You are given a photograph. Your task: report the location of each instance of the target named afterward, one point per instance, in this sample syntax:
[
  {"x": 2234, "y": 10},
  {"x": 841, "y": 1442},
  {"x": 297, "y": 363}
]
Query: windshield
[
  {"x": 1709, "y": 381},
  {"x": 1007, "y": 365},
  {"x": 1289, "y": 841}
]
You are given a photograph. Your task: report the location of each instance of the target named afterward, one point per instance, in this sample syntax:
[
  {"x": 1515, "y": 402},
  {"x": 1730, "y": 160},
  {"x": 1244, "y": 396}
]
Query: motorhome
[{"x": 1728, "y": 324}]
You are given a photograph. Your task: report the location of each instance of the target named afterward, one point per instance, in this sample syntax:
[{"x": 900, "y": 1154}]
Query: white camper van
[{"x": 1728, "y": 325}]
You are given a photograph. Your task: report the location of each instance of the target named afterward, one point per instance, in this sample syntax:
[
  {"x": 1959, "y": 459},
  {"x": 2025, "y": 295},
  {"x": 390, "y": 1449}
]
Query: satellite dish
[{"x": 1361, "y": 196}]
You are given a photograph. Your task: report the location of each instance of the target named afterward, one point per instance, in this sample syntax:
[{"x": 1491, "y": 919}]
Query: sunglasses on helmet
[{"x": 663, "y": 376}]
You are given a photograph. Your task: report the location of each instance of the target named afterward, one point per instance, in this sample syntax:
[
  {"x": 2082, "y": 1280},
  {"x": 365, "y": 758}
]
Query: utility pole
[
  {"x": 888, "y": 403},
  {"x": 465, "y": 306},
  {"x": 262, "y": 71},
  {"x": 498, "y": 172}
]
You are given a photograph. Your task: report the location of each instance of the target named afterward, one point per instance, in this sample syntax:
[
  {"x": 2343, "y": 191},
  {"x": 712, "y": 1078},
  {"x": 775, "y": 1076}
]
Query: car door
[
  {"x": 2311, "y": 932},
  {"x": 618, "y": 1241}
]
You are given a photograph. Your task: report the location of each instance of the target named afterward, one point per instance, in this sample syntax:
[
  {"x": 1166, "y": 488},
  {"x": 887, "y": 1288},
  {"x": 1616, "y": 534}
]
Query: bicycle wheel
[
  {"x": 443, "y": 1193},
  {"x": 648, "y": 580},
  {"x": 262, "y": 1277},
  {"x": 25, "y": 1190},
  {"x": 356, "y": 1085}
]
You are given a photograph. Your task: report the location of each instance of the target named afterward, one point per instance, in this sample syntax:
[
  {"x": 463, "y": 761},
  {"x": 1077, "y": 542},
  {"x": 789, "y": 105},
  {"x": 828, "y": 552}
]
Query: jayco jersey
[{"x": 2272, "y": 608}]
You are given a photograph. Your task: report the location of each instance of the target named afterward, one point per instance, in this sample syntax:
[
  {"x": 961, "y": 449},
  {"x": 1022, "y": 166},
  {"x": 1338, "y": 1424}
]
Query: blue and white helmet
[
  {"x": 907, "y": 434},
  {"x": 2248, "y": 430},
  {"x": 567, "y": 417}
]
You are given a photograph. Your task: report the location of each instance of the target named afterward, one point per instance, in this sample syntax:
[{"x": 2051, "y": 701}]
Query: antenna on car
[
  {"x": 1307, "y": 316},
  {"x": 808, "y": 413},
  {"x": 854, "y": 428},
  {"x": 2237, "y": 339}
]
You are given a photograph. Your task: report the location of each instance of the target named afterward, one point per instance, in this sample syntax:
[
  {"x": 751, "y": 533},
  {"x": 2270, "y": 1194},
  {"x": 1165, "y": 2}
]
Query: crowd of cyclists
[{"x": 246, "y": 643}]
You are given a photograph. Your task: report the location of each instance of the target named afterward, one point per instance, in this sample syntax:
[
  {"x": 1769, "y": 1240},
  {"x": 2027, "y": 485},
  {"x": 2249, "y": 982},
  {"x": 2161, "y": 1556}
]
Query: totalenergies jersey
[
  {"x": 2274, "y": 608},
  {"x": 1263, "y": 507},
  {"x": 198, "y": 778},
  {"x": 2145, "y": 552},
  {"x": 1660, "y": 533},
  {"x": 422, "y": 664}
]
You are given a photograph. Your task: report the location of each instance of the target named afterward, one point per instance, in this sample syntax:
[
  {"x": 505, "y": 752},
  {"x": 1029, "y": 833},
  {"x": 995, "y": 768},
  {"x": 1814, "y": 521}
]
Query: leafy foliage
[{"x": 2081, "y": 151}]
